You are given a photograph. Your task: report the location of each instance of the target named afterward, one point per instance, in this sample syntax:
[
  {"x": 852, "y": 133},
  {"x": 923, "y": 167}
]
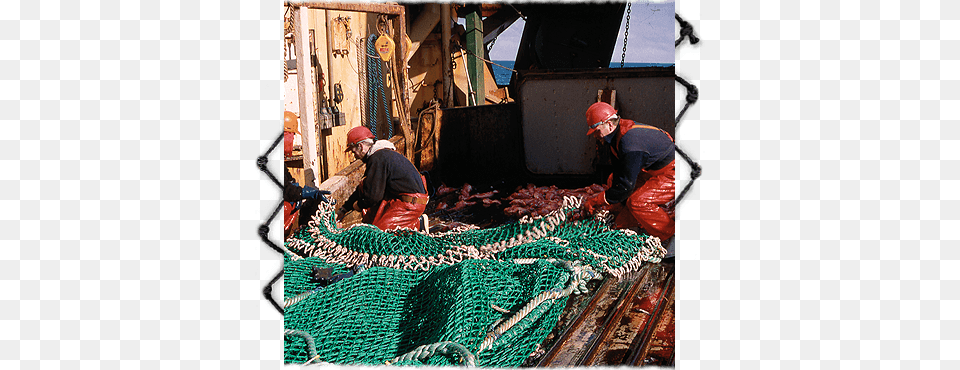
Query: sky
[{"x": 652, "y": 33}]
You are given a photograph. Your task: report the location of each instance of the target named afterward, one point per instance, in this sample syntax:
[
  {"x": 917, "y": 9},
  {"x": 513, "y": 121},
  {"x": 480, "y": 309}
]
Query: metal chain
[{"x": 626, "y": 31}]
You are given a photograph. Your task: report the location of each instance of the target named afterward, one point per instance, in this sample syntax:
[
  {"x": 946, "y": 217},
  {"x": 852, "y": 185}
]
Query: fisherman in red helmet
[
  {"x": 392, "y": 193},
  {"x": 290, "y": 129},
  {"x": 643, "y": 179}
]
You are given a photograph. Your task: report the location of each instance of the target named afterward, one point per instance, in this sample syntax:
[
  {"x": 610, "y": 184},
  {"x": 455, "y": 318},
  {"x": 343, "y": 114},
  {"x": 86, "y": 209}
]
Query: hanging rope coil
[
  {"x": 371, "y": 91},
  {"x": 376, "y": 91}
]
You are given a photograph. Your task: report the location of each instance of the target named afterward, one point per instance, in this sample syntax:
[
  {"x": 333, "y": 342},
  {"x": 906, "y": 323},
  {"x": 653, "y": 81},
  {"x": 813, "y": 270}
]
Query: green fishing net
[{"x": 484, "y": 297}]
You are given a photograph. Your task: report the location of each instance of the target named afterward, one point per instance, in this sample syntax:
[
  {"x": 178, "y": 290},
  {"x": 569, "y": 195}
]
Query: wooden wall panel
[{"x": 345, "y": 70}]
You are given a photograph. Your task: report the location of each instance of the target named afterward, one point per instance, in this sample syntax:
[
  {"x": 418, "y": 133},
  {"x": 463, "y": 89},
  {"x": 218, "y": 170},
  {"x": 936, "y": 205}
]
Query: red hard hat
[
  {"x": 596, "y": 114},
  {"x": 358, "y": 134},
  {"x": 290, "y": 122}
]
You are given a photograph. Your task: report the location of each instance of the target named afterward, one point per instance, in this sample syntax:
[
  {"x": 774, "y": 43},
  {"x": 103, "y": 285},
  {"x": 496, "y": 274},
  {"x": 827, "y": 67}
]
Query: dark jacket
[
  {"x": 636, "y": 147},
  {"x": 388, "y": 175}
]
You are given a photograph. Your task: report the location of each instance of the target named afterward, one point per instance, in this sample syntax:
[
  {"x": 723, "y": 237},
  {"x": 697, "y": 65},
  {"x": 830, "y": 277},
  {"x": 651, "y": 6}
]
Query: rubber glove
[{"x": 595, "y": 203}]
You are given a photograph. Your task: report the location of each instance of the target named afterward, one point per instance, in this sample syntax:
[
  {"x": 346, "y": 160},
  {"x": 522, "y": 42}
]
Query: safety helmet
[
  {"x": 598, "y": 113},
  {"x": 358, "y": 134},
  {"x": 290, "y": 122}
]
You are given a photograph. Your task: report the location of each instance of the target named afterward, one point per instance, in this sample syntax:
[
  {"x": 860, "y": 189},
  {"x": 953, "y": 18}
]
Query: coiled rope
[{"x": 376, "y": 92}]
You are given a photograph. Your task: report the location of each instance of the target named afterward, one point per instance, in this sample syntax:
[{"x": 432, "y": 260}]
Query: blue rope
[
  {"x": 371, "y": 90},
  {"x": 376, "y": 89},
  {"x": 386, "y": 105}
]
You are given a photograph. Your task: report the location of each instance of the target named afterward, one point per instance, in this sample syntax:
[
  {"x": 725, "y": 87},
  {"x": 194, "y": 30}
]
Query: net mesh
[{"x": 496, "y": 292}]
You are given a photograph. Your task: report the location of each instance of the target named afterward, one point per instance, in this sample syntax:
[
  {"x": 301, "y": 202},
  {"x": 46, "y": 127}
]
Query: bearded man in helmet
[
  {"x": 643, "y": 180},
  {"x": 392, "y": 193}
]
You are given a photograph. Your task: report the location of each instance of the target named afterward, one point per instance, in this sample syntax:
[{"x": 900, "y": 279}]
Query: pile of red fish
[
  {"x": 465, "y": 199},
  {"x": 528, "y": 200},
  {"x": 538, "y": 201}
]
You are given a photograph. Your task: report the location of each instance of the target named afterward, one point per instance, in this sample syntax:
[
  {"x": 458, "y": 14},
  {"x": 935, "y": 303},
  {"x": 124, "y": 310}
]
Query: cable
[
  {"x": 264, "y": 229},
  {"x": 693, "y": 94},
  {"x": 268, "y": 291}
]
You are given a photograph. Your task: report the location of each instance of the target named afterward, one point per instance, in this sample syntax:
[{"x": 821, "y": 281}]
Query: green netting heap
[{"x": 477, "y": 296}]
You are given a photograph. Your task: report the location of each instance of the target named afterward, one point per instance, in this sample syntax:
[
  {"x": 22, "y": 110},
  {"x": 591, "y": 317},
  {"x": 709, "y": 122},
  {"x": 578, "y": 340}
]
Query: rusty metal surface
[
  {"x": 553, "y": 105},
  {"x": 634, "y": 329},
  {"x": 354, "y": 7},
  {"x": 657, "y": 348},
  {"x": 629, "y": 321},
  {"x": 590, "y": 321},
  {"x": 614, "y": 324},
  {"x": 570, "y": 320}
]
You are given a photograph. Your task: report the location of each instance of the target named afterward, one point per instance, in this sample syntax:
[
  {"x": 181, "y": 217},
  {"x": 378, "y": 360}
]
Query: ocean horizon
[{"x": 502, "y": 75}]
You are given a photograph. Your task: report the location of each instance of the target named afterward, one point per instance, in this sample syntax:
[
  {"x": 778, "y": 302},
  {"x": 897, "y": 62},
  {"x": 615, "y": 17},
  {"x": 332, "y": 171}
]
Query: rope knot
[
  {"x": 264, "y": 230},
  {"x": 696, "y": 171},
  {"x": 687, "y": 30},
  {"x": 692, "y": 94},
  {"x": 262, "y": 162}
]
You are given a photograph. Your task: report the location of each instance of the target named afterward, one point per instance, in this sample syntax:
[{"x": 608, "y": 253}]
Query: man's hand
[
  {"x": 595, "y": 203},
  {"x": 346, "y": 208}
]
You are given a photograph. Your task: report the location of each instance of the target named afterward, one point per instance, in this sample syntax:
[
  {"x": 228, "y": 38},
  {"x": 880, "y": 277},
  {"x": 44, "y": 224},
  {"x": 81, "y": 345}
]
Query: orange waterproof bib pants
[{"x": 646, "y": 205}]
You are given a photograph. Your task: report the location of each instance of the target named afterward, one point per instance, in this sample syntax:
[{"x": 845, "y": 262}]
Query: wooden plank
[
  {"x": 446, "y": 60},
  {"x": 400, "y": 79},
  {"x": 323, "y": 156},
  {"x": 305, "y": 85},
  {"x": 344, "y": 71},
  {"x": 328, "y": 27},
  {"x": 380, "y": 8}
]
